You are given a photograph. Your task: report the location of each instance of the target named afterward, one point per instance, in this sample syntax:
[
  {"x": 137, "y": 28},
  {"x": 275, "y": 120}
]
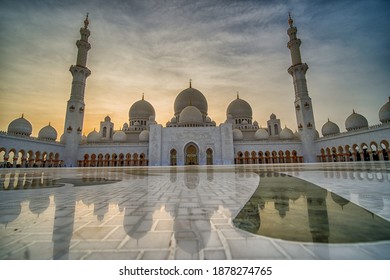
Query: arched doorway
[
  {"x": 209, "y": 153},
  {"x": 191, "y": 155}
]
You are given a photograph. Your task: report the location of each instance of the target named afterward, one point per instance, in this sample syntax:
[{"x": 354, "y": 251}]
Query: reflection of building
[{"x": 191, "y": 137}]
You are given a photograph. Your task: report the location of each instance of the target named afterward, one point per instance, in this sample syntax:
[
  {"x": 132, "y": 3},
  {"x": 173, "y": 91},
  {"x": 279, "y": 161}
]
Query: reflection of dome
[
  {"x": 119, "y": 136},
  {"x": 330, "y": 128},
  {"x": 48, "y": 133},
  {"x": 141, "y": 109},
  {"x": 190, "y": 114},
  {"x": 93, "y": 137},
  {"x": 144, "y": 136},
  {"x": 355, "y": 121},
  {"x": 237, "y": 134},
  {"x": 38, "y": 204},
  {"x": 384, "y": 113},
  {"x": 286, "y": 134},
  {"x": 339, "y": 200},
  {"x": 239, "y": 108},
  {"x": 190, "y": 96},
  {"x": 261, "y": 134},
  {"x": 20, "y": 126}
]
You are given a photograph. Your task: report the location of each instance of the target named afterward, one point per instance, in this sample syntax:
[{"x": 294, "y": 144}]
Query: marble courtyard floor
[{"x": 170, "y": 212}]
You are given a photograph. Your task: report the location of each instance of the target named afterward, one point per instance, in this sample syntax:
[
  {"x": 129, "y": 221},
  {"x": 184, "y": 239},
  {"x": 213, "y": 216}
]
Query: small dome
[
  {"x": 125, "y": 126},
  {"x": 384, "y": 113},
  {"x": 20, "y": 126},
  {"x": 48, "y": 133},
  {"x": 330, "y": 128},
  {"x": 261, "y": 134},
  {"x": 255, "y": 123},
  {"x": 62, "y": 139},
  {"x": 208, "y": 119},
  {"x": 144, "y": 136},
  {"x": 83, "y": 139},
  {"x": 272, "y": 117},
  {"x": 297, "y": 134},
  {"x": 237, "y": 134},
  {"x": 136, "y": 123},
  {"x": 191, "y": 114},
  {"x": 193, "y": 97},
  {"x": 93, "y": 137},
  {"x": 286, "y": 134},
  {"x": 173, "y": 120},
  {"x": 355, "y": 121},
  {"x": 107, "y": 119},
  {"x": 244, "y": 122},
  {"x": 239, "y": 108},
  {"x": 119, "y": 136},
  {"x": 141, "y": 109}
]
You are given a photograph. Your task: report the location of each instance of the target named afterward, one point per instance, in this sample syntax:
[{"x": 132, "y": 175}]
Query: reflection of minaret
[
  {"x": 303, "y": 106},
  {"x": 318, "y": 215},
  {"x": 75, "y": 108},
  {"x": 63, "y": 224}
]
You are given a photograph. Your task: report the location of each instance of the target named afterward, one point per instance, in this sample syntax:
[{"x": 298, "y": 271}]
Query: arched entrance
[
  {"x": 209, "y": 153},
  {"x": 191, "y": 155}
]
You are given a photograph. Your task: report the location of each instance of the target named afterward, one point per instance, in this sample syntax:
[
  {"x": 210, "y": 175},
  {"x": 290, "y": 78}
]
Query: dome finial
[
  {"x": 290, "y": 20},
  {"x": 86, "y": 21},
  {"x": 238, "y": 95},
  {"x": 22, "y": 116},
  {"x": 143, "y": 96},
  {"x": 190, "y": 83},
  {"x": 353, "y": 111}
]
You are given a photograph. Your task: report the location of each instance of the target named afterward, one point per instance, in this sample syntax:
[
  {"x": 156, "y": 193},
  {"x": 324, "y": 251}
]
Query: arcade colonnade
[{"x": 371, "y": 151}]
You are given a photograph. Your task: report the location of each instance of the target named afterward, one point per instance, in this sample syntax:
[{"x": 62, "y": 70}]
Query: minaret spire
[
  {"x": 303, "y": 105},
  {"x": 74, "y": 119}
]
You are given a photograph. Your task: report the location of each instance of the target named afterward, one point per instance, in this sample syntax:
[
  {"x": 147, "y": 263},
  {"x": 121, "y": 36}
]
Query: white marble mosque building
[{"x": 191, "y": 137}]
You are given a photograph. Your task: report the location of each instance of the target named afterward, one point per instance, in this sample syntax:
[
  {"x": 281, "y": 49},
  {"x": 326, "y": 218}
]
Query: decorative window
[{"x": 71, "y": 108}]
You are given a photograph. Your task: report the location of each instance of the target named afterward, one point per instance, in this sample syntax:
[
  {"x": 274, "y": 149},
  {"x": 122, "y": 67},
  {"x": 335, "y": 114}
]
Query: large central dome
[
  {"x": 193, "y": 97},
  {"x": 141, "y": 109}
]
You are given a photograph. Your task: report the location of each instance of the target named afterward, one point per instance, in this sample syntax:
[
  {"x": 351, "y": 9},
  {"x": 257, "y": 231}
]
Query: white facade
[{"x": 191, "y": 136}]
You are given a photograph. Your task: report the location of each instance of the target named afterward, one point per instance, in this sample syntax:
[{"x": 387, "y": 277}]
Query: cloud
[{"x": 155, "y": 47}]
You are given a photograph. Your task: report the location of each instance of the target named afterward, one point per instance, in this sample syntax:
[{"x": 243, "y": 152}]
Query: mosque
[{"x": 191, "y": 137}]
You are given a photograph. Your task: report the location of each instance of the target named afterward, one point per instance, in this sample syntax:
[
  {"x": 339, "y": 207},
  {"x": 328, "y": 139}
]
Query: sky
[{"x": 156, "y": 46}]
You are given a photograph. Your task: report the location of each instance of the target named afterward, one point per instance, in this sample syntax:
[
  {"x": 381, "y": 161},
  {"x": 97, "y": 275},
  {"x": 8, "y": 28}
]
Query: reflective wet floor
[
  {"x": 293, "y": 209},
  {"x": 185, "y": 212}
]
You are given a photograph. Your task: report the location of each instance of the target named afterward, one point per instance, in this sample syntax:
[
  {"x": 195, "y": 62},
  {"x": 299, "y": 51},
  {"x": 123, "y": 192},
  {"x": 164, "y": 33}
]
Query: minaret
[
  {"x": 75, "y": 108},
  {"x": 303, "y": 106}
]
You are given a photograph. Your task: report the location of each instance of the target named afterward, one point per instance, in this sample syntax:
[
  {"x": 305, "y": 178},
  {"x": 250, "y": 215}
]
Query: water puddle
[{"x": 289, "y": 208}]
